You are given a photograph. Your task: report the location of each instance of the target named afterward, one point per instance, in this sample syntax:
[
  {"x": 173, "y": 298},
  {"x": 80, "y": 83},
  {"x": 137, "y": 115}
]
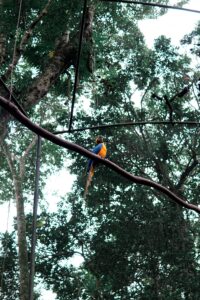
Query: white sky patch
[
  {"x": 7, "y": 215},
  {"x": 47, "y": 295},
  {"x": 57, "y": 186},
  {"x": 86, "y": 103},
  {"x": 175, "y": 24},
  {"x": 76, "y": 260}
]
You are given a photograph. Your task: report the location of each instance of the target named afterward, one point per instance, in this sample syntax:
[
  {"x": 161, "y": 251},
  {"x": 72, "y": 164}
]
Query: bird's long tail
[{"x": 89, "y": 180}]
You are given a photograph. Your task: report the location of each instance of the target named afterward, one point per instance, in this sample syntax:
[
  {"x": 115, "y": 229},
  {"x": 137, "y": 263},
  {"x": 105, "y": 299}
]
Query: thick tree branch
[
  {"x": 64, "y": 56},
  {"x": 78, "y": 149},
  {"x": 42, "y": 84},
  {"x": 25, "y": 38}
]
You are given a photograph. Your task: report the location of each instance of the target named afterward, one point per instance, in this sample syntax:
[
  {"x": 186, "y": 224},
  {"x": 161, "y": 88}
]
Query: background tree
[
  {"x": 135, "y": 243},
  {"x": 9, "y": 267},
  {"x": 43, "y": 66}
]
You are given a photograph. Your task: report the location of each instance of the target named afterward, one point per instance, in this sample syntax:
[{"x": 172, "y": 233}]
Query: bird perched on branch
[{"x": 101, "y": 150}]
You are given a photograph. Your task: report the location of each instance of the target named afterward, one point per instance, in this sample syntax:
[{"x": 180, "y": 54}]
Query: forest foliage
[{"x": 134, "y": 242}]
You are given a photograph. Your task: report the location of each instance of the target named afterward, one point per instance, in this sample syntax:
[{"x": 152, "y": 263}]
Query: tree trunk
[
  {"x": 17, "y": 170},
  {"x": 22, "y": 244}
]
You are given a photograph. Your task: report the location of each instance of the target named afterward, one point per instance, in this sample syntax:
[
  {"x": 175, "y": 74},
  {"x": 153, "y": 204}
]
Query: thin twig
[{"x": 154, "y": 5}]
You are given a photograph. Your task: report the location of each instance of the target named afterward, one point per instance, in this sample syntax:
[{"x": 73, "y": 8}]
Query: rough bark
[
  {"x": 43, "y": 83},
  {"x": 64, "y": 56}
]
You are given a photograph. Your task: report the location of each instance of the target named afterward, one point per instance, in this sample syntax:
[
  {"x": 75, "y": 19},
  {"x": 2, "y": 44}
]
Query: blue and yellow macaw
[{"x": 101, "y": 150}]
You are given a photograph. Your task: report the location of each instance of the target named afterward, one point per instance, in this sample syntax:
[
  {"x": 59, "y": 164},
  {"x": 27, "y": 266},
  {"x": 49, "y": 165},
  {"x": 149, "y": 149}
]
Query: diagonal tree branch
[
  {"x": 9, "y": 159},
  {"x": 188, "y": 170},
  {"x": 78, "y": 149},
  {"x": 155, "y": 5},
  {"x": 24, "y": 156},
  {"x": 4, "y": 91},
  {"x": 64, "y": 56}
]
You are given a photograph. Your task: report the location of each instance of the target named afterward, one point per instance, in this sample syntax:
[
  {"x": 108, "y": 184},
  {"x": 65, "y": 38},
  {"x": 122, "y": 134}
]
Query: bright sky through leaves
[{"x": 175, "y": 24}]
